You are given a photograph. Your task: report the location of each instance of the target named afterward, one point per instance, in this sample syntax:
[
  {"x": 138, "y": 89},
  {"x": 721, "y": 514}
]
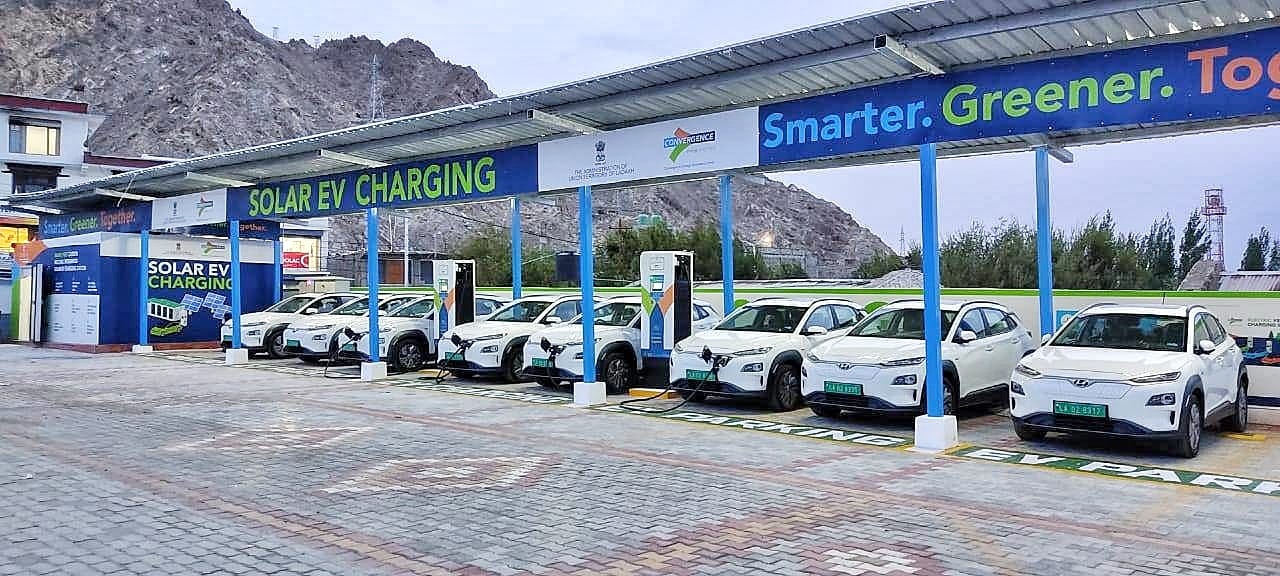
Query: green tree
[
  {"x": 881, "y": 264},
  {"x": 492, "y": 253},
  {"x": 1194, "y": 245},
  {"x": 1273, "y": 261},
  {"x": 1157, "y": 255},
  {"x": 1257, "y": 251}
]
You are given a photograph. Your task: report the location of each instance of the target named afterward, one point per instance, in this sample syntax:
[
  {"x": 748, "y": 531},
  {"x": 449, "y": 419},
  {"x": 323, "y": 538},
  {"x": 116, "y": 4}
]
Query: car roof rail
[{"x": 1095, "y": 305}]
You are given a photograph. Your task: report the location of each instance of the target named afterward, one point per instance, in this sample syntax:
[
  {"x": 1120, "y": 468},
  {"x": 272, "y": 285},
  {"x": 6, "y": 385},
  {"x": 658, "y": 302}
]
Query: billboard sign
[
  {"x": 189, "y": 209},
  {"x": 709, "y": 143},
  {"x": 1207, "y": 79},
  {"x": 467, "y": 178}
]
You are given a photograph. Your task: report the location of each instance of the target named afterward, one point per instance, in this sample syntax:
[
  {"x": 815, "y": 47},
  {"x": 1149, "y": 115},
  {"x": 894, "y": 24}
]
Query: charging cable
[
  {"x": 715, "y": 361},
  {"x": 351, "y": 336}
]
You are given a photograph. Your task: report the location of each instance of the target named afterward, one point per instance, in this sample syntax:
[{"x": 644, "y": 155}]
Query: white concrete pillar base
[
  {"x": 370, "y": 371},
  {"x": 140, "y": 349},
  {"x": 936, "y": 434},
  {"x": 588, "y": 394},
  {"x": 237, "y": 356}
]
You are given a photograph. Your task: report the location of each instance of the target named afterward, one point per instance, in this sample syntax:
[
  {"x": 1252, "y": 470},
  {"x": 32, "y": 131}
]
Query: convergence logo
[{"x": 682, "y": 140}]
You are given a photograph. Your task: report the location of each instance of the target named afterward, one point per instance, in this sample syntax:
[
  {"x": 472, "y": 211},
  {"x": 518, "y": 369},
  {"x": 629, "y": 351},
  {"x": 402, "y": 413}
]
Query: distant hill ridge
[{"x": 191, "y": 78}]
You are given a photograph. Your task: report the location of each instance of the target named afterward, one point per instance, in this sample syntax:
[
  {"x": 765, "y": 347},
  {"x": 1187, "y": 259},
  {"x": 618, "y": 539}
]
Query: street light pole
[{"x": 406, "y": 248}]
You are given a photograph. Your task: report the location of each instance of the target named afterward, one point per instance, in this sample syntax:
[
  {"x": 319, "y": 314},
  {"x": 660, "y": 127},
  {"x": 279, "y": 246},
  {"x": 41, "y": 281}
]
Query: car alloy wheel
[
  {"x": 617, "y": 377},
  {"x": 1193, "y": 432},
  {"x": 275, "y": 346},
  {"x": 409, "y": 356}
]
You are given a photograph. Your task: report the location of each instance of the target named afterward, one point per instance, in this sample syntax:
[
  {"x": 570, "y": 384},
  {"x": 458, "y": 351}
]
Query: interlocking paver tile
[{"x": 294, "y": 474}]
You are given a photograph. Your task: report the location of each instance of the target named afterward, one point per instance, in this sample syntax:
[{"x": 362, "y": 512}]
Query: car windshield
[
  {"x": 905, "y": 323},
  {"x": 526, "y": 311},
  {"x": 291, "y": 305},
  {"x": 1126, "y": 332},
  {"x": 614, "y": 314},
  {"x": 415, "y": 309},
  {"x": 353, "y": 308},
  {"x": 764, "y": 318}
]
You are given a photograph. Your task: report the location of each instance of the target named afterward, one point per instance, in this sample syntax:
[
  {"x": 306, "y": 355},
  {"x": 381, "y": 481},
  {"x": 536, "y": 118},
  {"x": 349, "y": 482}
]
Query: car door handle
[{"x": 989, "y": 348}]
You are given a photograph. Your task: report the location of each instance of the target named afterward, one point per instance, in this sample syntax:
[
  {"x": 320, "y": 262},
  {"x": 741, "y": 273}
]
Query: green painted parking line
[
  {"x": 1124, "y": 471},
  {"x": 786, "y": 429}
]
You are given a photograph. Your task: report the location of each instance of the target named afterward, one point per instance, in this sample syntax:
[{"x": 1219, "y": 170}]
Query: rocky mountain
[{"x": 194, "y": 77}]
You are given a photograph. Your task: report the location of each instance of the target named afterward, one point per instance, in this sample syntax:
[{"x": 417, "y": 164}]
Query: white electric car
[
  {"x": 757, "y": 350},
  {"x": 554, "y": 355},
  {"x": 495, "y": 346},
  {"x": 315, "y": 338},
  {"x": 263, "y": 332},
  {"x": 404, "y": 335},
  {"x": 1156, "y": 372},
  {"x": 879, "y": 366}
]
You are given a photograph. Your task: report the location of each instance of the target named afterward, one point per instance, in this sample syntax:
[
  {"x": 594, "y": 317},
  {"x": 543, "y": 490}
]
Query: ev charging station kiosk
[
  {"x": 666, "y": 289},
  {"x": 455, "y": 284}
]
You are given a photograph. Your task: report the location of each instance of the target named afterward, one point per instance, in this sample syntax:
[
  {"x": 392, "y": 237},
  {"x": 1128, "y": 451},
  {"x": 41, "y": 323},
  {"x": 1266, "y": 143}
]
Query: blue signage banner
[
  {"x": 76, "y": 269},
  {"x": 469, "y": 178},
  {"x": 134, "y": 218},
  {"x": 1208, "y": 79},
  {"x": 256, "y": 229}
]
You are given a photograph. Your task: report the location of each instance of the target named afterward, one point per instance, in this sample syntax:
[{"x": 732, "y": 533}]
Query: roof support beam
[
  {"x": 217, "y": 181},
  {"x": 36, "y": 208},
  {"x": 1058, "y": 152},
  {"x": 123, "y": 195},
  {"x": 890, "y": 46},
  {"x": 351, "y": 159},
  {"x": 566, "y": 124}
]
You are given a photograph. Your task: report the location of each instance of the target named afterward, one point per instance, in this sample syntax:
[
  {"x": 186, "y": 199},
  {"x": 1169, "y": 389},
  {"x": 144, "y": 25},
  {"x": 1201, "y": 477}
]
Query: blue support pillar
[
  {"x": 586, "y": 275},
  {"x": 278, "y": 286},
  {"x": 932, "y": 281},
  {"x": 1044, "y": 241},
  {"x": 234, "y": 231},
  {"x": 517, "y": 251},
  {"x": 144, "y": 262},
  {"x": 726, "y": 240},
  {"x": 371, "y": 218}
]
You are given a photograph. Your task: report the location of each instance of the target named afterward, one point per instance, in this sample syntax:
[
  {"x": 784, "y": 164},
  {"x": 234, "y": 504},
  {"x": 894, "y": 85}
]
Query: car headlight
[
  {"x": 577, "y": 356},
  {"x": 813, "y": 357},
  {"x": 320, "y": 327},
  {"x": 1152, "y": 379},
  {"x": 905, "y": 380},
  {"x": 1016, "y": 388},
  {"x": 679, "y": 347},
  {"x": 1163, "y": 399},
  {"x": 488, "y": 337},
  {"x": 490, "y": 349},
  {"x": 385, "y": 329},
  {"x": 253, "y": 325},
  {"x": 904, "y": 362},
  {"x": 754, "y": 367},
  {"x": 1025, "y": 370},
  {"x": 752, "y": 352}
]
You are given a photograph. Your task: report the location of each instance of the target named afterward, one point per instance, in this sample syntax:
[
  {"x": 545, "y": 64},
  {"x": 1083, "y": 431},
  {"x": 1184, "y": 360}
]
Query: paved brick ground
[{"x": 120, "y": 464}]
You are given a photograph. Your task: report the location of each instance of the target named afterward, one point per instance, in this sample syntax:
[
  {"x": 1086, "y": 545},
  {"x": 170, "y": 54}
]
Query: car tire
[
  {"x": 1027, "y": 433},
  {"x": 1239, "y": 421},
  {"x": 409, "y": 354},
  {"x": 826, "y": 411},
  {"x": 274, "y": 343},
  {"x": 312, "y": 360},
  {"x": 548, "y": 383},
  {"x": 949, "y": 402},
  {"x": 618, "y": 372},
  {"x": 463, "y": 374},
  {"x": 512, "y": 361},
  {"x": 1188, "y": 445},
  {"x": 784, "y": 388}
]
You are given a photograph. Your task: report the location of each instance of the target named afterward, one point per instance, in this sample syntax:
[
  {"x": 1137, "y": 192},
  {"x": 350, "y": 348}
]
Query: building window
[
  {"x": 28, "y": 178},
  {"x": 36, "y": 137}
]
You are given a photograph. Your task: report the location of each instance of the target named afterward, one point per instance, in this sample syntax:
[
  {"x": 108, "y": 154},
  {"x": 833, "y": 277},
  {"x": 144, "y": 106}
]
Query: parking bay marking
[
  {"x": 1060, "y": 463},
  {"x": 1126, "y": 471}
]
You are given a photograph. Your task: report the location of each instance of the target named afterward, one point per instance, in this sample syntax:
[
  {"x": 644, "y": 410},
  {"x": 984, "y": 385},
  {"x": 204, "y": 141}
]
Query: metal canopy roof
[{"x": 956, "y": 34}]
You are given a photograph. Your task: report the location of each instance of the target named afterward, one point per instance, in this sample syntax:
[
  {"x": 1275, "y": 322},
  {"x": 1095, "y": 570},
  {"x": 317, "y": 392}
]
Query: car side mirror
[
  {"x": 1206, "y": 347},
  {"x": 966, "y": 336},
  {"x": 1045, "y": 338},
  {"x": 553, "y": 320},
  {"x": 815, "y": 331},
  {"x": 310, "y": 311}
]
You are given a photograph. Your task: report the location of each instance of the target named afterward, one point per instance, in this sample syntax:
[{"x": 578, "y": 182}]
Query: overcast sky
[{"x": 518, "y": 46}]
